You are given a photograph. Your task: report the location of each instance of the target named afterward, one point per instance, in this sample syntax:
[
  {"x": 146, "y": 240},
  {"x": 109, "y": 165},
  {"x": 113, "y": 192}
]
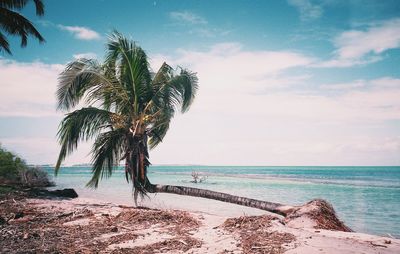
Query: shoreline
[
  {"x": 372, "y": 210},
  {"x": 123, "y": 229}
]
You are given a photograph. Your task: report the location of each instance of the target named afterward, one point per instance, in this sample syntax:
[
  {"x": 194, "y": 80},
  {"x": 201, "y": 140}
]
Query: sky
[{"x": 296, "y": 82}]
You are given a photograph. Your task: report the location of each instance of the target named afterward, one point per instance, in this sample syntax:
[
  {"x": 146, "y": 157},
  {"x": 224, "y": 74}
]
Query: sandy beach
[
  {"x": 197, "y": 127},
  {"x": 82, "y": 225}
]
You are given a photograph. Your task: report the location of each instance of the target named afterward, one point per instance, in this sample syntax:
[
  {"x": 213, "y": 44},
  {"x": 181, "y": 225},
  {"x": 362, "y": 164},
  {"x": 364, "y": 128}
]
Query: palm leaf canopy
[
  {"x": 126, "y": 107},
  {"x": 13, "y": 23}
]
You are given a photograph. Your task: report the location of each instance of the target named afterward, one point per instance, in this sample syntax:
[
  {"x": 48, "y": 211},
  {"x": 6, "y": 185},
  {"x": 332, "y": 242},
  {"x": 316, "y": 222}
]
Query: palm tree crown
[
  {"x": 129, "y": 108},
  {"x": 13, "y": 23}
]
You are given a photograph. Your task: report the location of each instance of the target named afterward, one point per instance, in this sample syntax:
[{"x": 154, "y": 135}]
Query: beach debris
[
  {"x": 321, "y": 213},
  {"x": 2, "y": 220},
  {"x": 19, "y": 220},
  {"x": 256, "y": 236},
  {"x": 25, "y": 223},
  {"x": 174, "y": 245},
  {"x": 198, "y": 177},
  {"x": 180, "y": 222},
  {"x": 377, "y": 245}
]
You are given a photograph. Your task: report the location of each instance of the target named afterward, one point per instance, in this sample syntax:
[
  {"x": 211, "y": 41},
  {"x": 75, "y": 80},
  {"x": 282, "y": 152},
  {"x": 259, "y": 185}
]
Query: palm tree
[
  {"x": 129, "y": 110},
  {"x": 13, "y": 23}
]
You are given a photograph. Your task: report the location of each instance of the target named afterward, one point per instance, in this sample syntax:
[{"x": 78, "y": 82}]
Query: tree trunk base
[{"x": 318, "y": 213}]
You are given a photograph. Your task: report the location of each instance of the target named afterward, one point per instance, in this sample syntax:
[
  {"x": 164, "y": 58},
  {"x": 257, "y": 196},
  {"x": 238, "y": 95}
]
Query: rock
[
  {"x": 64, "y": 193},
  {"x": 67, "y": 193}
]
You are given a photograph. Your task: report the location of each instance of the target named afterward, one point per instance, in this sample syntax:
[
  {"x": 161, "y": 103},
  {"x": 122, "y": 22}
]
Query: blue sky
[{"x": 295, "y": 82}]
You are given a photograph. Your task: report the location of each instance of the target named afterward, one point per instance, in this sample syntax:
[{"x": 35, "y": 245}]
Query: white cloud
[
  {"x": 88, "y": 55},
  {"x": 342, "y": 62},
  {"x": 355, "y": 44},
  {"x": 28, "y": 89},
  {"x": 226, "y": 66},
  {"x": 248, "y": 111},
  {"x": 308, "y": 10},
  {"x": 358, "y": 47},
  {"x": 345, "y": 86},
  {"x": 261, "y": 80},
  {"x": 82, "y": 33},
  {"x": 385, "y": 82},
  {"x": 236, "y": 124},
  {"x": 187, "y": 17}
]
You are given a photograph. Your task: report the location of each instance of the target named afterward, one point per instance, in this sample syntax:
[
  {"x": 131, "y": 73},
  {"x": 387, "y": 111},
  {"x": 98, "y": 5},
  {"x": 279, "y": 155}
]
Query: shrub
[
  {"x": 10, "y": 166},
  {"x": 34, "y": 177},
  {"x": 13, "y": 170}
]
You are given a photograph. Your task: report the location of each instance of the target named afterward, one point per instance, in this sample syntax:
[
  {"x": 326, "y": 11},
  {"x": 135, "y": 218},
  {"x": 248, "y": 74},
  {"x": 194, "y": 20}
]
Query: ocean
[{"x": 367, "y": 199}]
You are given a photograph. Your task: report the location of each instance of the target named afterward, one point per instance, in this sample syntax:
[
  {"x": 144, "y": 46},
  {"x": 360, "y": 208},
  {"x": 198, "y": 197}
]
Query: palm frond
[
  {"x": 158, "y": 132},
  {"x": 15, "y": 24},
  {"x": 107, "y": 152},
  {"x": 171, "y": 92},
  {"x": 20, "y": 4},
  {"x": 187, "y": 84},
  {"x": 79, "y": 77},
  {"x": 80, "y": 125},
  {"x": 13, "y": 4},
  {"x": 133, "y": 67},
  {"x": 163, "y": 75},
  {"x": 4, "y": 45},
  {"x": 174, "y": 91},
  {"x": 39, "y": 7}
]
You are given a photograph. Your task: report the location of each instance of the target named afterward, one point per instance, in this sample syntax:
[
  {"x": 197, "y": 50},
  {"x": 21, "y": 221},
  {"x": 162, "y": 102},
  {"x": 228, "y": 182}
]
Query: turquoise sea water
[{"x": 366, "y": 198}]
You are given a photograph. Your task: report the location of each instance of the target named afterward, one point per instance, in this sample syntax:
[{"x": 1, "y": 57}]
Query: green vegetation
[
  {"x": 13, "y": 170},
  {"x": 13, "y": 23},
  {"x": 10, "y": 165},
  {"x": 129, "y": 108}
]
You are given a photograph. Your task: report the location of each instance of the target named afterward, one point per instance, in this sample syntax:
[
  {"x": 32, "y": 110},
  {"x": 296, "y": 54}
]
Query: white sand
[{"x": 216, "y": 240}]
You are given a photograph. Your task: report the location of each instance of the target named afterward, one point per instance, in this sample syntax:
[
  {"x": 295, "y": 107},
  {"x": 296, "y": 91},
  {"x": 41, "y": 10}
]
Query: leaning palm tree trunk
[
  {"x": 128, "y": 111},
  {"x": 249, "y": 202}
]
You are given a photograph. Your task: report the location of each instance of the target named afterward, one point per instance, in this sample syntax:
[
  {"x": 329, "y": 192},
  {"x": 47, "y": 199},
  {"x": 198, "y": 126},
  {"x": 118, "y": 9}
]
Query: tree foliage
[
  {"x": 10, "y": 165},
  {"x": 13, "y": 23},
  {"x": 127, "y": 108},
  {"x": 13, "y": 170}
]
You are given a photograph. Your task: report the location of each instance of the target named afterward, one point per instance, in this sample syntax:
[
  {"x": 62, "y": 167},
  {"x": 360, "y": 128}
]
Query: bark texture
[{"x": 249, "y": 202}]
